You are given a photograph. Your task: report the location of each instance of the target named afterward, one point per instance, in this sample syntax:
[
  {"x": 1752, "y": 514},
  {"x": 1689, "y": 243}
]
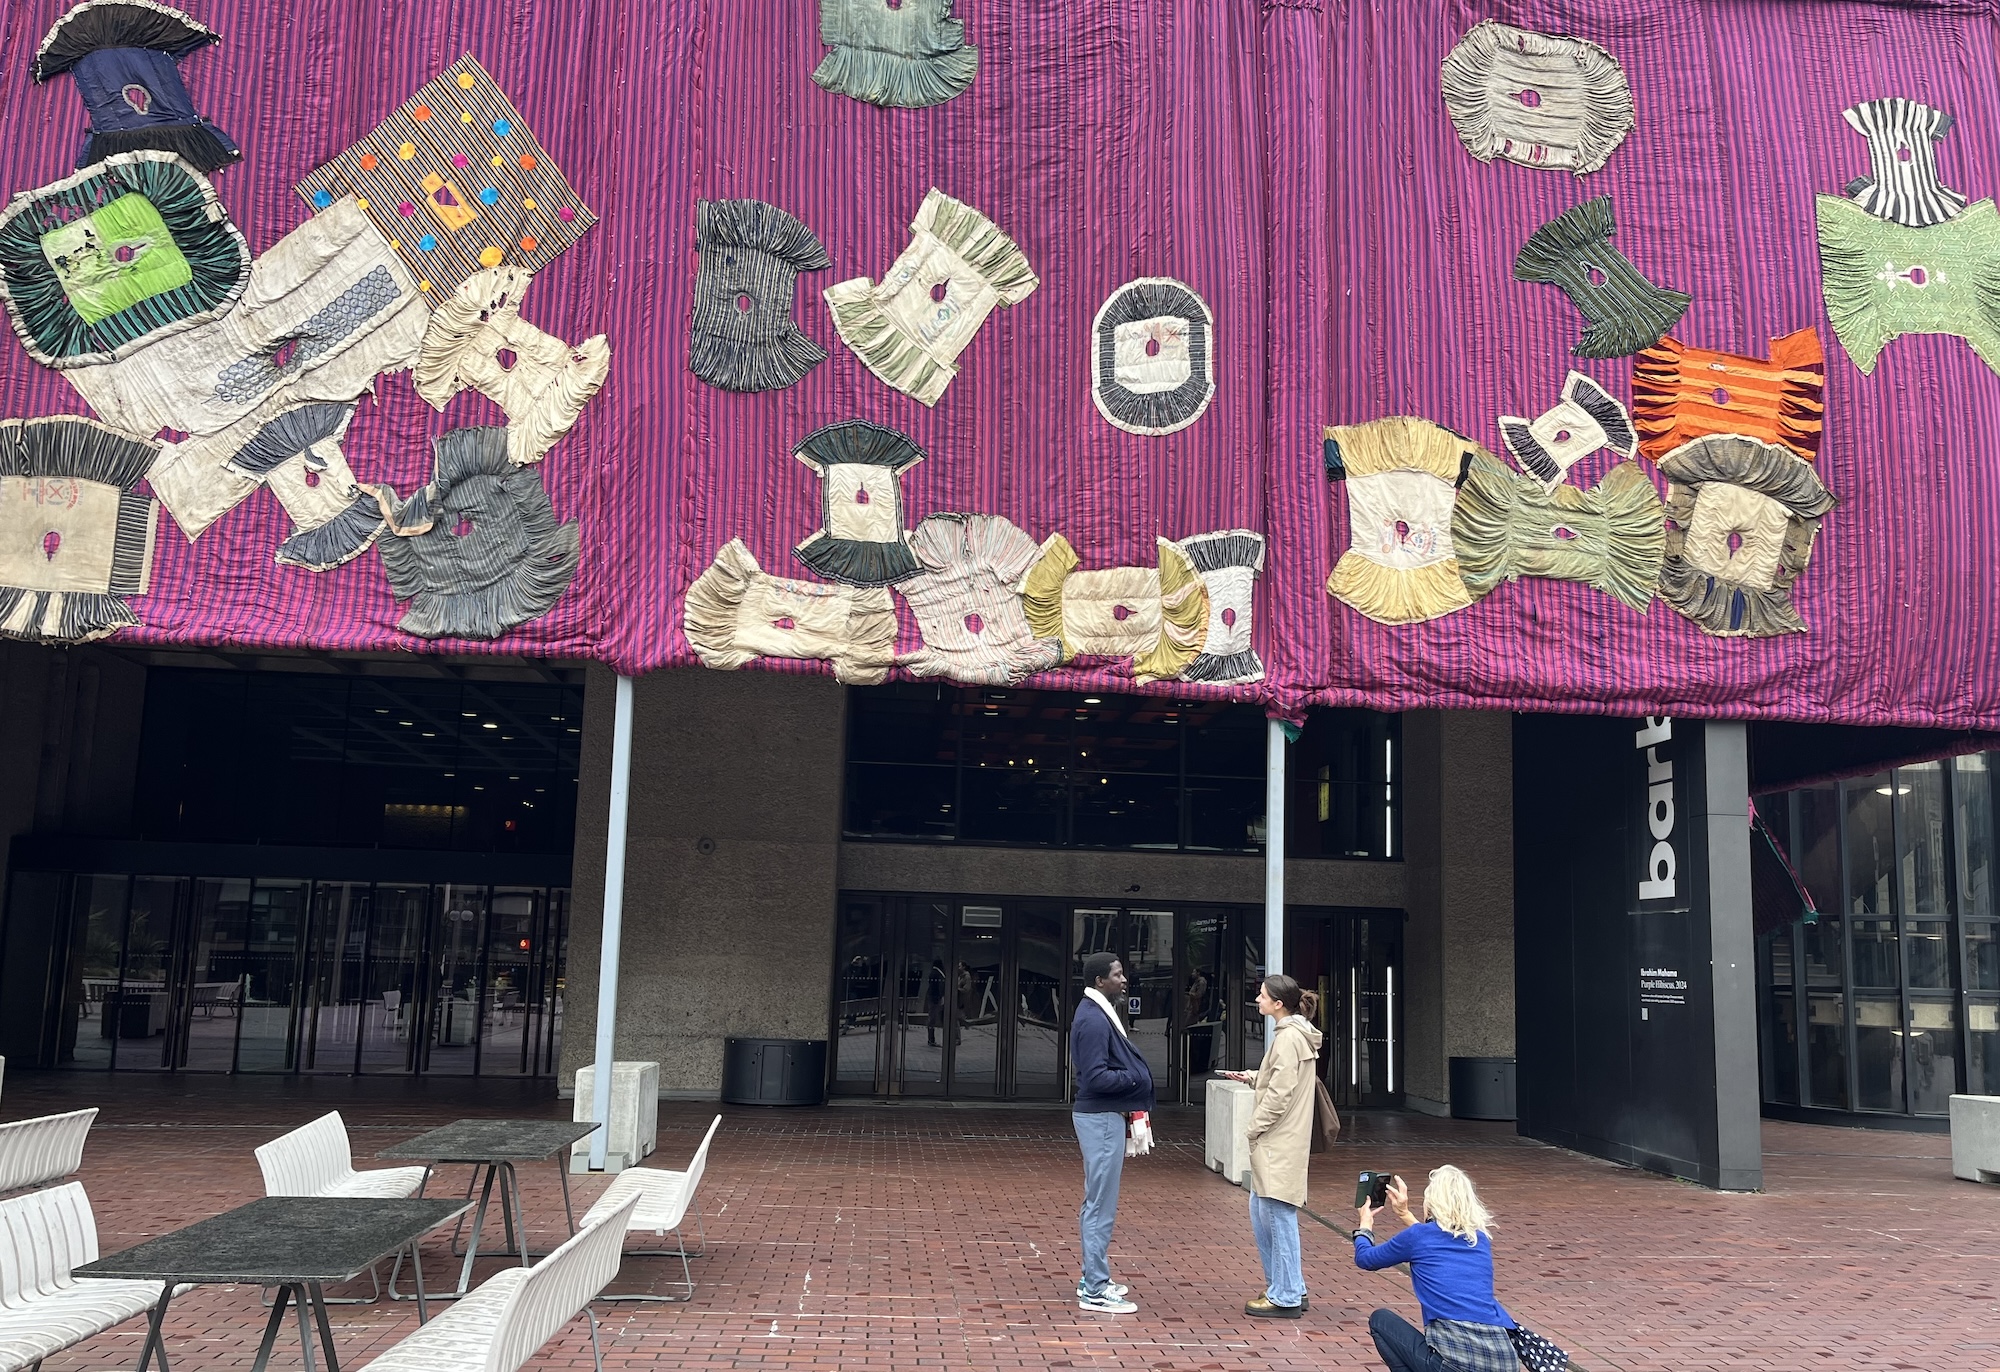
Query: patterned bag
[{"x": 1536, "y": 1353}]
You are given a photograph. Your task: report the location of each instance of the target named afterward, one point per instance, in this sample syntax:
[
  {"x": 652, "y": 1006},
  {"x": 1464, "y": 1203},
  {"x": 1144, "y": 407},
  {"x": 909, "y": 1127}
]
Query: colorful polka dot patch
[{"x": 457, "y": 181}]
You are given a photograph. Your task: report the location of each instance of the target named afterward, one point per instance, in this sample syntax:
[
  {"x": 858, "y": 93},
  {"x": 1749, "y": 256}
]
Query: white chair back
[
  {"x": 700, "y": 1161},
  {"x": 44, "y": 1236},
  {"x": 556, "y": 1290},
  {"x": 309, "y": 1159},
  {"x": 41, "y": 1150}
]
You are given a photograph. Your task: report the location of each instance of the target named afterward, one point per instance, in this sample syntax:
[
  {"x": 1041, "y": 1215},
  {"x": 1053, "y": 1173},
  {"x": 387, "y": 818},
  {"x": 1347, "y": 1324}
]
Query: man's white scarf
[{"x": 1104, "y": 1004}]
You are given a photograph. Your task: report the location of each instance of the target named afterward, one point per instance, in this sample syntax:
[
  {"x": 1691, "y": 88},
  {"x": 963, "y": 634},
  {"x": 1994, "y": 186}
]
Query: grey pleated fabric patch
[
  {"x": 743, "y": 336},
  {"x": 905, "y": 56}
]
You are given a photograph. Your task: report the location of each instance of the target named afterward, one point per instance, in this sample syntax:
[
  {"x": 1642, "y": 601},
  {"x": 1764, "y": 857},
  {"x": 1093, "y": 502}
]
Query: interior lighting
[
  {"x": 469, "y": 714},
  {"x": 489, "y": 724},
  {"x": 429, "y": 734},
  {"x": 406, "y": 723},
  {"x": 1892, "y": 790},
  {"x": 381, "y": 712},
  {"x": 1093, "y": 700}
]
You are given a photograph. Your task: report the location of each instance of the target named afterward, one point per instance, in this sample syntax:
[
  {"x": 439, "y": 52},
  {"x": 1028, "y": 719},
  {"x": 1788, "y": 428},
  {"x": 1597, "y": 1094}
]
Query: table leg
[
  {"x": 153, "y": 1340},
  {"x": 478, "y": 1223},
  {"x": 325, "y": 1327},
  {"x": 520, "y": 1211},
  {"x": 562, "y": 1170},
  {"x": 271, "y": 1327},
  {"x": 305, "y": 1329},
  {"x": 417, "y": 1268},
  {"x": 508, "y": 1196}
]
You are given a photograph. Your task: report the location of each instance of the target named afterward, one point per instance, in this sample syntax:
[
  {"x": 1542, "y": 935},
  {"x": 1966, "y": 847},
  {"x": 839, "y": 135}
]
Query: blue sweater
[
  {"x": 1453, "y": 1279},
  {"x": 1111, "y": 1077}
]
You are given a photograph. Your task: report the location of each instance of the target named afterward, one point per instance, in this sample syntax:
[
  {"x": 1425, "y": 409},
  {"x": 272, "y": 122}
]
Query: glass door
[
  {"x": 451, "y": 1044},
  {"x": 274, "y": 933},
  {"x": 1041, "y": 1011},
  {"x": 1145, "y": 943},
  {"x": 1353, "y": 960},
  {"x": 513, "y": 929},
  {"x": 335, "y": 982},
  {"x": 858, "y": 1048},
  {"x": 1203, "y": 1022},
  {"x": 392, "y": 1006},
  {"x": 978, "y": 1000}
]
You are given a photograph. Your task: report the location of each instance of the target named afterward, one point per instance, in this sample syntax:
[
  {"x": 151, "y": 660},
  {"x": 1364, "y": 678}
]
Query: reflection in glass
[
  {"x": 221, "y": 920},
  {"x": 857, "y": 995},
  {"x": 275, "y": 925},
  {"x": 1982, "y": 1049},
  {"x": 1930, "y": 952},
  {"x": 97, "y": 924},
  {"x": 1201, "y": 1005},
  {"x": 1041, "y": 1020},
  {"x": 334, "y": 993},
  {"x": 1825, "y": 963},
  {"x": 1826, "y": 1050},
  {"x": 1781, "y": 1049},
  {"x": 977, "y": 996},
  {"x": 1972, "y": 787},
  {"x": 1250, "y": 1024},
  {"x": 1920, "y": 838},
  {"x": 1869, "y": 845},
  {"x": 921, "y": 1001},
  {"x": 1878, "y": 1053},
  {"x": 513, "y": 930},
  {"x": 393, "y": 1003},
  {"x": 1982, "y": 957},
  {"x": 1933, "y": 1054},
  {"x": 1818, "y": 858},
  {"x": 454, "y": 1020},
  {"x": 1875, "y": 961}
]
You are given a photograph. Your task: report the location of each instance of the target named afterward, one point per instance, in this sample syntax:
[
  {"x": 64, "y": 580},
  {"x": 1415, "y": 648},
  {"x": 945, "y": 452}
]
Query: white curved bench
[
  {"x": 504, "y": 1322},
  {"x": 317, "y": 1160},
  {"x": 44, "y": 1236},
  {"x": 45, "y": 1149},
  {"x": 662, "y": 1201}
]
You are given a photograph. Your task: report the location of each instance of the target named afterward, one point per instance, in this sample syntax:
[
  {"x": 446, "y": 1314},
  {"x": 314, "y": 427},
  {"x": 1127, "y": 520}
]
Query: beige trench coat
[{"x": 1281, "y": 1121}]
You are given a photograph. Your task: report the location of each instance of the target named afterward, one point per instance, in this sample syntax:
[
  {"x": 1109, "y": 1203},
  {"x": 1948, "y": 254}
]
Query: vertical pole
[
  {"x": 1274, "y": 854},
  {"x": 614, "y": 920}
]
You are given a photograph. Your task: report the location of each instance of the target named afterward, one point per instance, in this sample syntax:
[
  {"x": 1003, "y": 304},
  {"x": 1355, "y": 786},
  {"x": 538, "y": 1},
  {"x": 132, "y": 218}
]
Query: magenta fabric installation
[{"x": 1292, "y": 163}]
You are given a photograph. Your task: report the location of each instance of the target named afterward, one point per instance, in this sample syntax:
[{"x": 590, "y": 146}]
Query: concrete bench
[{"x": 1975, "y": 1138}]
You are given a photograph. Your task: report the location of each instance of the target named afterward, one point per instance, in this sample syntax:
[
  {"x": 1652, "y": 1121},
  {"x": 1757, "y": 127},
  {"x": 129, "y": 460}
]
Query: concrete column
[
  {"x": 1732, "y": 958},
  {"x": 732, "y": 867},
  {"x": 1458, "y": 853}
]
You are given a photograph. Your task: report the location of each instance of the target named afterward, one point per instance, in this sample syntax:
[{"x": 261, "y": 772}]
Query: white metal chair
[
  {"x": 41, "y": 1150},
  {"x": 509, "y": 1317},
  {"x": 663, "y": 1199},
  {"x": 317, "y": 1160},
  {"x": 44, "y": 1236}
]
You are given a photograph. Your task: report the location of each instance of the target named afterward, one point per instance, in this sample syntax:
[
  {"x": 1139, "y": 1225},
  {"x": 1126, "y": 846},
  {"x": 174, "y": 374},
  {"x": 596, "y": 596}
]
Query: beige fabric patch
[
  {"x": 58, "y": 533},
  {"x": 1114, "y": 612},
  {"x": 1759, "y": 524}
]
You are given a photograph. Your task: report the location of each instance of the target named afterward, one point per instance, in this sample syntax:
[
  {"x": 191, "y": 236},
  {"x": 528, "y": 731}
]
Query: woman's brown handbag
[{"x": 1326, "y": 1119}]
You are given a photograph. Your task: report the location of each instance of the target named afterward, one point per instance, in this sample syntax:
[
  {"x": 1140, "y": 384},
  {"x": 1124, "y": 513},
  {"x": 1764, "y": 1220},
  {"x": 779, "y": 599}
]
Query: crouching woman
[{"x": 1450, "y": 1253}]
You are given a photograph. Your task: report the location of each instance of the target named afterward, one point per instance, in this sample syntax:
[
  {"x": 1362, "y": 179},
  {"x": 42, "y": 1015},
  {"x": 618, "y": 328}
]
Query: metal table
[
  {"x": 495, "y": 1145},
  {"x": 298, "y": 1244}
]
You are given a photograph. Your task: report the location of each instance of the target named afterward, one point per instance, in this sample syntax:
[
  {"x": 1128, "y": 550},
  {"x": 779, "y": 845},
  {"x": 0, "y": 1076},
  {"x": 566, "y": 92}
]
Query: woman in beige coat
[{"x": 1281, "y": 1124}]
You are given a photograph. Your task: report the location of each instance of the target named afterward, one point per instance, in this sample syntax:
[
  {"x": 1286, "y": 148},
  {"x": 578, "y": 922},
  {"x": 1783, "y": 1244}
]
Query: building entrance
[{"x": 971, "y": 996}]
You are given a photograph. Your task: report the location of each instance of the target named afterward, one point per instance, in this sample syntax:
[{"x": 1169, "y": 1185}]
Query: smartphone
[{"x": 1373, "y": 1189}]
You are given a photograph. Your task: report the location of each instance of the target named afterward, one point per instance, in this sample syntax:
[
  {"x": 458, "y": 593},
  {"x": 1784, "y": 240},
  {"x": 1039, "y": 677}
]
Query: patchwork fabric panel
[
  {"x": 477, "y": 551},
  {"x": 911, "y": 326},
  {"x": 742, "y": 336},
  {"x": 478, "y": 340},
  {"x": 1401, "y": 478},
  {"x": 1227, "y": 563},
  {"x": 122, "y": 254},
  {"x": 1680, "y": 394},
  {"x": 906, "y": 55},
  {"x": 861, "y": 540},
  {"x": 1587, "y": 418},
  {"x": 735, "y": 612},
  {"x": 76, "y": 536},
  {"x": 967, "y": 604},
  {"x": 457, "y": 183},
  {"x": 1151, "y": 362},
  {"x": 1507, "y": 526},
  {"x": 1114, "y": 612},
  {"x": 1536, "y": 99},
  {"x": 327, "y": 309},
  {"x": 1883, "y": 280},
  {"x": 1624, "y": 310},
  {"x": 124, "y": 56},
  {"x": 1742, "y": 516},
  {"x": 1902, "y": 184}
]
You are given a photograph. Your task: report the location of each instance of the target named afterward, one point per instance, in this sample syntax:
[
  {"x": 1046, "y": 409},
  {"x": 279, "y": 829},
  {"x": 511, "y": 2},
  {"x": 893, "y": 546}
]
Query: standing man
[{"x": 1112, "y": 1082}]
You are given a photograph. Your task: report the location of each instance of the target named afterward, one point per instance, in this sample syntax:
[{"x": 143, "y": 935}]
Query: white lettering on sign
[{"x": 1661, "y": 867}]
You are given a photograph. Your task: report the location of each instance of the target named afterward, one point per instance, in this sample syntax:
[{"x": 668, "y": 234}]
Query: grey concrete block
[{"x": 1975, "y": 1138}]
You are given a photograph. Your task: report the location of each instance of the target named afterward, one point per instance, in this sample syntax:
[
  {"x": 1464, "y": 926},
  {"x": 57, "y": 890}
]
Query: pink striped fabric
[{"x": 1293, "y": 164}]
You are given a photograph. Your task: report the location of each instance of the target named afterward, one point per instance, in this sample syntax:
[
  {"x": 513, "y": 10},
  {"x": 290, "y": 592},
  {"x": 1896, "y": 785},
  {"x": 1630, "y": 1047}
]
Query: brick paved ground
[{"x": 938, "y": 1237}]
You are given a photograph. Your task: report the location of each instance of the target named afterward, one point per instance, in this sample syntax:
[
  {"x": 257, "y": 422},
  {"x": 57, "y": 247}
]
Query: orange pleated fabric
[{"x": 1681, "y": 393}]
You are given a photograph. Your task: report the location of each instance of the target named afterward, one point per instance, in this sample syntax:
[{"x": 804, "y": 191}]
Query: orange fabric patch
[{"x": 1680, "y": 394}]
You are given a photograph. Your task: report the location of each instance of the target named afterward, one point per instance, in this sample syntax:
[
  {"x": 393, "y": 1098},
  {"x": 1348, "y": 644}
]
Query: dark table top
[
  {"x": 282, "y": 1239},
  {"x": 492, "y": 1141}
]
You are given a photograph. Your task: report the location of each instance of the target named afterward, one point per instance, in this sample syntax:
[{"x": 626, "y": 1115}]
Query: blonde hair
[{"x": 1454, "y": 1205}]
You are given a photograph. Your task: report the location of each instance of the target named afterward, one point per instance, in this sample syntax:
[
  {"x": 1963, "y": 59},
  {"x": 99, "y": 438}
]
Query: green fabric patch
[{"x": 111, "y": 260}]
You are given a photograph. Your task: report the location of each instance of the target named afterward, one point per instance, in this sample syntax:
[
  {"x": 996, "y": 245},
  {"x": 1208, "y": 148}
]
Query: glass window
[
  {"x": 1343, "y": 786},
  {"x": 1982, "y": 1048},
  {"x": 271, "y": 963},
  {"x": 888, "y": 800},
  {"x": 1982, "y": 956},
  {"x": 1869, "y": 846},
  {"x": 1878, "y": 1053},
  {"x": 1826, "y": 1050},
  {"x": 221, "y": 919},
  {"x": 97, "y": 954},
  {"x": 1817, "y": 855},
  {"x": 1930, "y": 952},
  {"x": 1933, "y": 1051},
  {"x": 1875, "y": 960},
  {"x": 1781, "y": 1048},
  {"x": 1825, "y": 963},
  {"x": 1972, "y": 789},
  {"x": 1920, "y": 838}
]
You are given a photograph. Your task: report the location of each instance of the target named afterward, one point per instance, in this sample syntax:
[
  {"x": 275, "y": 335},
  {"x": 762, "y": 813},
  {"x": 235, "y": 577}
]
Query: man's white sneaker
[
  {"x": 1117, "y": 1290},
  {"x": 1106, "y": 1304}
]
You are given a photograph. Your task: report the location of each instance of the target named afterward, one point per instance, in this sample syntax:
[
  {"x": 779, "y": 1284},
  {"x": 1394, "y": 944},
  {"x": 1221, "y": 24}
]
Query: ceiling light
[
  {"x": 451, "y": 774},
  {"x": 513, "y": 778},
  {"x": 479, "y": 788},
  {"x": 406, "y": 723},
  {"x": 429, "y": 734},
  {"x": 1093, "y": 700},
  {"x": 381, "y": 712},
  {"x": 469, "y": 714},
  {"x": 489, "y": 724}
]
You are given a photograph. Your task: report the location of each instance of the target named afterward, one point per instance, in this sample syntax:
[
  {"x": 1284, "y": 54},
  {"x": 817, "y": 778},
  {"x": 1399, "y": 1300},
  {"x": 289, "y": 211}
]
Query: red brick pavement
[{"x": 914, "y": 1237}]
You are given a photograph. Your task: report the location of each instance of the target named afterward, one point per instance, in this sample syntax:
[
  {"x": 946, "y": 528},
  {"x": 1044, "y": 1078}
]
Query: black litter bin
[
  {"x": 774, "y": 1071},
  {"x": 1482, "y": 1089}
]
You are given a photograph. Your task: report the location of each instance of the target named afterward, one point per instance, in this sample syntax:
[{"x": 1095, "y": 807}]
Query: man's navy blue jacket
[{"x": 1111, "y": 1077}]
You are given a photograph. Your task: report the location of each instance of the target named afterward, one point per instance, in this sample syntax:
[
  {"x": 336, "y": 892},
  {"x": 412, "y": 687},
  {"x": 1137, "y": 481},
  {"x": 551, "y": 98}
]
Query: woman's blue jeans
[{"x": 1276, "y": 1226}]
